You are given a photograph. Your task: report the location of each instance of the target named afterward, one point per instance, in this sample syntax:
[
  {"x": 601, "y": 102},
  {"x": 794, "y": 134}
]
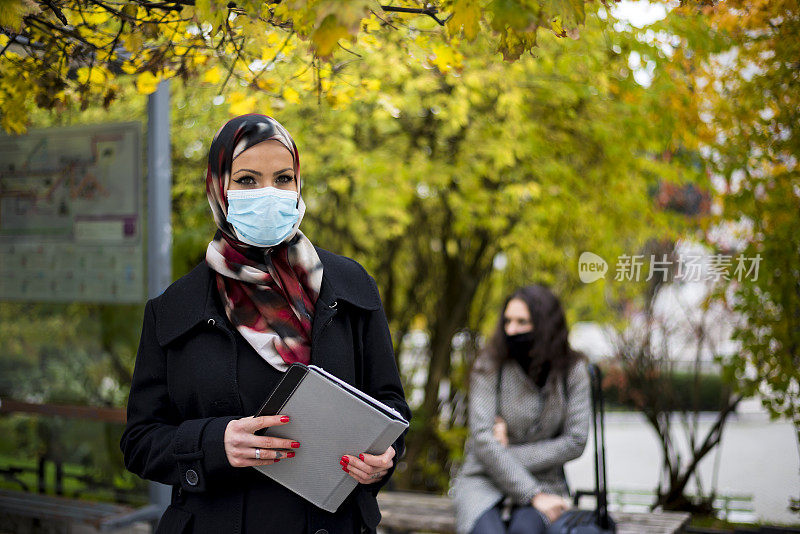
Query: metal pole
[
  {"x": 159, "y": 260},
  {"x": 159, "y": 229},
  {"x": 159, "y": 192}
]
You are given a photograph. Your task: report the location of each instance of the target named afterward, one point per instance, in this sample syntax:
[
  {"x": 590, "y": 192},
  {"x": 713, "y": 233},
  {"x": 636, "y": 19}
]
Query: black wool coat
[{"x": 184, "y": 392}]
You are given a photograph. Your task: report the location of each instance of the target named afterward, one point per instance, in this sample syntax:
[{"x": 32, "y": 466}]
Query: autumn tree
[
  {"x": 733, "y": 74},
  {"x": 453, "y": 178},
  {"x": 56, "y": 52},
  {"x": 452, "y": 166},
  {"x": 452, "y": 175},
  {"x": 749, "y": 98}
]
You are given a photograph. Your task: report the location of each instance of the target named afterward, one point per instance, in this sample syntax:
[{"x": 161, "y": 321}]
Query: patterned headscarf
[{"x": 269, "y": 293}]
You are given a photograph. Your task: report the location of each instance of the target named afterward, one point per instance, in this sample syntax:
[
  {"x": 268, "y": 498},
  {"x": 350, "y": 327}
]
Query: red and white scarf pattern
[{"x": 269, "y": 294}]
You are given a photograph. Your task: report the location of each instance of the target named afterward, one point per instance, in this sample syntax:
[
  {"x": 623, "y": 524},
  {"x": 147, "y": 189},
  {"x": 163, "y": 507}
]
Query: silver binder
[{"x": 330, "y": 418}]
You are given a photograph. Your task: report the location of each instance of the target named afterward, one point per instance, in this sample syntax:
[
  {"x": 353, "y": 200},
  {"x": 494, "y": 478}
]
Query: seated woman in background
[{"x": 529, "y": 413}]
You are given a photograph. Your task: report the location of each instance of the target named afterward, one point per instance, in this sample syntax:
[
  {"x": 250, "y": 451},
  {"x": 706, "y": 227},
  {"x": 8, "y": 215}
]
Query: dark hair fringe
[{"x": 550, "y": 328}]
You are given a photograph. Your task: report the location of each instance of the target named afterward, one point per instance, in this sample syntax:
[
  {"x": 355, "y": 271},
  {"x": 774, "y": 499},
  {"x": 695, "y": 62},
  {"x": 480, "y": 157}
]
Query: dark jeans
[{"x": 524, "y": 520}]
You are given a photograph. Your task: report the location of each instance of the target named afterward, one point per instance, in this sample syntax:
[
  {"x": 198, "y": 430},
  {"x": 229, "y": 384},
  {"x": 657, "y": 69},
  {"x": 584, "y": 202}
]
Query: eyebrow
[
  {"x": 248, "y": 170},
  {"x": 276, "y": 173}
]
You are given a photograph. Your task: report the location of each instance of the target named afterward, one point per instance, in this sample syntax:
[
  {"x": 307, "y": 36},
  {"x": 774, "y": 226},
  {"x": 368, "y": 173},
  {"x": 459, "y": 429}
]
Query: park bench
[
  {"x": 28, "y": 511},
  {"x": 422, "y": 512},
  {"x": 23, "y": 512},
  {"x": 402, "y": 511}
]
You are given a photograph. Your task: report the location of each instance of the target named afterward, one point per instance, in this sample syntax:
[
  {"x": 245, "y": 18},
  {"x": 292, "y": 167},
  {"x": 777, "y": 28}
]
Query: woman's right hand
[
  {"x": 550, "y": 505},
  {"x": 241, "y": 442},
  {"x": 500, "y": 431}
]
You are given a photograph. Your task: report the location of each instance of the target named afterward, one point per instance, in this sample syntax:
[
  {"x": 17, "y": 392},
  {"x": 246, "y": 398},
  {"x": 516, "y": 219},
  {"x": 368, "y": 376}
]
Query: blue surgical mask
[{"x": 262, "y": 217}]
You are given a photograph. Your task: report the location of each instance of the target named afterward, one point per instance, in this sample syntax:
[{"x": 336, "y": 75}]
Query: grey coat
[{"x": 545, "y": 430}]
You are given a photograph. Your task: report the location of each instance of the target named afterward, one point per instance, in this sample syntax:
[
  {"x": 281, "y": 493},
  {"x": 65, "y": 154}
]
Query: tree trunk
[{"x": 452, "y": 310}]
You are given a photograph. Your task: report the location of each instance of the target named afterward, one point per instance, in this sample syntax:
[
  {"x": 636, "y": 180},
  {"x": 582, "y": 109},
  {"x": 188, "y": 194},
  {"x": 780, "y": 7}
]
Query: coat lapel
[
  {"x": 324, "y": 311},
  {"x": 183, "y": 309}
]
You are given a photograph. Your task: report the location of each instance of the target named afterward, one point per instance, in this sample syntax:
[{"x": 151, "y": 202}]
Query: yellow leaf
[
  {"x": 339, "y": 185},
  {"x": 291, "y": 96},
  {"x": 96, "y": 18},
  {"x": 212, "y": 75},
  {"x": 368, "y": 39},
  {"x": 327, "y": 35},
  {"x": 130, "y": 9},
  {"x": 267, "y": 84},
  {"x": 242, "y": 104},
  {"x": 466, "y": 15},
  {"x": 209, "y": 11},
  {"x": 557, "y": 28},
  {"x": 12, "y": 12},
  {"x": 304, "y": 73},
  {"x": 371, "y": 24},
  {"x": 338, "y": 99},
  {"x": 371, "y": 85},
  {"x": 146, "y": 83},
  {"x": 281, "y": 12},
  {"x": 132, "y": 41},
  {"x": 94, "y": 75},
  {"x": 445, "y": 58},
  {"x": 273, "y": 38}
]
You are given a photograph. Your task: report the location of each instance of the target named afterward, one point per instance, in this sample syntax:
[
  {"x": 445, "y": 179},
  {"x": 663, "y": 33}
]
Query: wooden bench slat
[
  {"x": 56, "y": 507},
  {"x": 418, "y": 512}
]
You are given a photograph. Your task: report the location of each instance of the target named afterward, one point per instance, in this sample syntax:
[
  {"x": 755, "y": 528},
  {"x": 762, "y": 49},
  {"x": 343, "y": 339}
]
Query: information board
[{"x": 71, "y": 215}]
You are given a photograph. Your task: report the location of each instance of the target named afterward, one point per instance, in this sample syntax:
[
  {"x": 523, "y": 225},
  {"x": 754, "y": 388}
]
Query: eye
[
  {"x": 284, "y": 179},
  {"x": 245, "y": 180}
]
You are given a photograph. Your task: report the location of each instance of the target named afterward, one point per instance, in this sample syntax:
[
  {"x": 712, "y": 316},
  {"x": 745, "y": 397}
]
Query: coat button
[
  {"x": 211, "y": 322},
  {"x": 191, "y": 477},
  {"x": 321, "y": 531}
]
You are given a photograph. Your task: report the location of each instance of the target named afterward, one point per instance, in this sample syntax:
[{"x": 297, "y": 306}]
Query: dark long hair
[{"x": 551, "y": 352}]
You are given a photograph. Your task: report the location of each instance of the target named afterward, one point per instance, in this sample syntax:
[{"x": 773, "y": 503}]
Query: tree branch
[{"x": 429, "y": 10}]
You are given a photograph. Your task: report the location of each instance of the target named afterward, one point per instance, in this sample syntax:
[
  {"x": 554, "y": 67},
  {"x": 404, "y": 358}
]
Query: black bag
[{"x": 596, "y": 521}]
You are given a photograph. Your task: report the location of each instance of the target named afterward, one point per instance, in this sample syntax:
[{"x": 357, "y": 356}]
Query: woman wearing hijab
[
  {"x": 219, "y": 339},
  {"x": 529, "y": 413}
]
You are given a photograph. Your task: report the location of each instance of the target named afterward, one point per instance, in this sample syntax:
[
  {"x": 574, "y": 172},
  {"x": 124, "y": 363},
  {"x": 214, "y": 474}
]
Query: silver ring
[{"x": 258, "y": 454}]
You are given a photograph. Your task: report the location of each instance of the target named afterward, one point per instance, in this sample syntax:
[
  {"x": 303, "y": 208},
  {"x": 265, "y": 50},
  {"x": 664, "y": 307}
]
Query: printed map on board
[{"x": 71, "y": 214}]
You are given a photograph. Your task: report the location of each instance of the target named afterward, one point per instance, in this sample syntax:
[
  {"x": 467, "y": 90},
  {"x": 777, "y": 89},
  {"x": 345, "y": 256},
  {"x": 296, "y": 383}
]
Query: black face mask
[{"x": 519, "y": 348}]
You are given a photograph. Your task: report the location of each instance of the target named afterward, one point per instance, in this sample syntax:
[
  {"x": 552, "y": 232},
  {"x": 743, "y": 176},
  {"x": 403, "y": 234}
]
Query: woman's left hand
[{"x": 368, "y": 468}]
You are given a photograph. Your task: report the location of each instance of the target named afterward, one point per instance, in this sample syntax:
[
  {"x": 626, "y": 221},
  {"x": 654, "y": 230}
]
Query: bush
[{"x": 711, "y": 393}]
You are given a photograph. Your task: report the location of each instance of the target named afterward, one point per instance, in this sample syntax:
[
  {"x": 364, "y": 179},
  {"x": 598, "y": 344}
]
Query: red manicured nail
[
  {"x": 345, "y": 469},
  {"x": 290, "y": 455},
  {"x": 295, "y": 445},
  {"x": 285, "y": 419},
  {"x": 346, "y": 460},
  {"x": 361, "y": 456}
]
